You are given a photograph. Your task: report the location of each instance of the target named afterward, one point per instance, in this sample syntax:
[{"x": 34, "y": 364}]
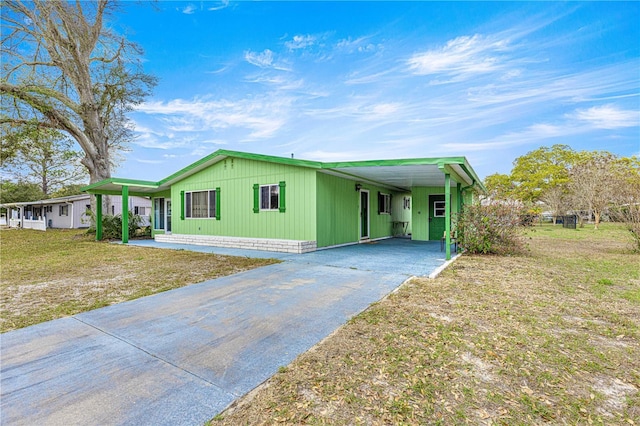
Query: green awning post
[
  {"x": 459, "y": 191},
  {"x": 447, "y": 214},
  {"x": 98, "y": 217},
  {"x": 125, "y": 214}
]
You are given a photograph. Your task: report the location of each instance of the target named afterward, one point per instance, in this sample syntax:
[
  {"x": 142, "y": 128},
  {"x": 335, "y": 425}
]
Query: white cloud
[
  {"x": 143, "y": 161},
  {"x": 300, "y": 42},
  {"x": 360, "y": 45},
  {"x": 158, "y": 141},
  {"x": 262, "y": 116},
  {"x": 607, "y": 117},
  {"x": 189, "y": 9},
  {"x": 219, "y": 71},
  {"x": 213, "y": 142},
  {"x": 461, "y": 56},
  {"x": 262, "y": 60},
  {"x": 281, "y": 82},
  {"x": 223, "y": 4},
  {"x": 265, "y": 60},
  {"x": 384, "y": 109},
  {"x": 362, "y": 109},
  {"x": 361, "y": 78}
]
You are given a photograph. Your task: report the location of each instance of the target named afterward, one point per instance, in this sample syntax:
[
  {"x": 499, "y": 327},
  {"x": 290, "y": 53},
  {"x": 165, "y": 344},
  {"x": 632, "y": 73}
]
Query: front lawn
[
  {"x": 52, "y": 274},
  {"x": 548, "y": 338}
]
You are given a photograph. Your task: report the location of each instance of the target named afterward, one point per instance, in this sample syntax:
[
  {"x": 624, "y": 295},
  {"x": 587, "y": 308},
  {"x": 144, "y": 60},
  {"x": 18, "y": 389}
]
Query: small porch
[{"x": 26, "y": 217}]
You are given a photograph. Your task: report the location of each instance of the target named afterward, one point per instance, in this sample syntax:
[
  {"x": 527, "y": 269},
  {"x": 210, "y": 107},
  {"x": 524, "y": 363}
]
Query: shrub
[
  {"x": 492, "y": 229},
  {"x": 629, "y": 215},
  {"x": 112, "y": 225}
]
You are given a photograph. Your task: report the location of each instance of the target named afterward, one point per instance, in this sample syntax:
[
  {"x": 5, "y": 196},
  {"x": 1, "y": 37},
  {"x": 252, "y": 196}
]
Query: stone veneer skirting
[{"x": 267, "y": 244}]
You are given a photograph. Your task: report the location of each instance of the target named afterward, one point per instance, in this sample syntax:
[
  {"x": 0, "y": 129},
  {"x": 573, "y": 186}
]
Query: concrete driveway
[{"x": 182, "y": 356}]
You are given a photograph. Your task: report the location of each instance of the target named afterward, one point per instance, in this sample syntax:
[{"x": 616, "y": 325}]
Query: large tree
[
  {"x": 540, "y": 170},
  {"x": 598, "y": 182},
  {"x": 45, "y": 157},
  {"x": 556, "y": 198},
  {"x": 64, "y": 69},
  {"x": 499, "y": 186},
  {"x": 626, "y": 186}
]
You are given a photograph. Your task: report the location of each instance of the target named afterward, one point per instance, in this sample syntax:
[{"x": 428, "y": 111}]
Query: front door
[
  {"x": 436, "y": 217},
  {"x": 364, "y": 214},
  {"x": 167, "y": 222}
]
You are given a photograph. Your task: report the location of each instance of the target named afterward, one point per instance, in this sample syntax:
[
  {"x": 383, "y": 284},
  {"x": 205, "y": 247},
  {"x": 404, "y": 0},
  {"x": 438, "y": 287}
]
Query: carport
[{"x": 438, "y": 187}]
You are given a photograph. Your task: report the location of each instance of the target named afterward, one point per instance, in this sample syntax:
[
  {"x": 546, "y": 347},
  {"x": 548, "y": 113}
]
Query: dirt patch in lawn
[
  {"x": 48, "y": 275},
  {"x": 551, "y": 337}
]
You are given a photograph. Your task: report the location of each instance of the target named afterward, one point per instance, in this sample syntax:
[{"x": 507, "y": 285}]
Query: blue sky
[{"x": 333, "y": 81}]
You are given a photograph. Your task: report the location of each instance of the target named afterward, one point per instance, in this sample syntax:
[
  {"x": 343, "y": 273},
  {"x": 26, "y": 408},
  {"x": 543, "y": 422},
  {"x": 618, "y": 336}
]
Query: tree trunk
[
  {"x": 45, "y": 185},
  {"x": 596, "y": 215}
]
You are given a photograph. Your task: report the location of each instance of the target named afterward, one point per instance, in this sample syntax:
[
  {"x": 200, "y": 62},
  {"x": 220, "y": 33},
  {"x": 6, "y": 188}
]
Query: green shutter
[
  {"x": 256, "y": 198},
  {"x": 181, "y": 205},
  {"x": 217, "y": 203},
  {"x": 283, "y": 205}
]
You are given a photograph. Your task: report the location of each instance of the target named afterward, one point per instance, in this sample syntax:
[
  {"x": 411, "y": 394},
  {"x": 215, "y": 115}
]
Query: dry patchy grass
[
  {"x": 48, "y": 275},
  {"x": 548, "y": 338}
]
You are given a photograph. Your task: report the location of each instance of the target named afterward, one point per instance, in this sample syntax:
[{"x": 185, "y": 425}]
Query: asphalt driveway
[{"x": 182, "y": 356}]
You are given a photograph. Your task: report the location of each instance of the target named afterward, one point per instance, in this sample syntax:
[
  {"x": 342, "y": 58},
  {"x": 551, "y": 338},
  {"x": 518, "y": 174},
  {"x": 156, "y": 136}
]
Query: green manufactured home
[{"x": 243, "y": 200}]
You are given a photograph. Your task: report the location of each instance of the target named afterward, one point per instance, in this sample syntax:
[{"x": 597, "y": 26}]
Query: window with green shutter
[
  {"x": 202, "y": 204},
  {"x": 283, "y": 206},
  {"x": 256, "y": 198}
]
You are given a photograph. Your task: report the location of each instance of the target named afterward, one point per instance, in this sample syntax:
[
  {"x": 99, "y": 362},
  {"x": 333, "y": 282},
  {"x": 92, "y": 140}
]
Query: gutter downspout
[
  {"x": 71, "y": 214},
  {"x": 473, "y": 185}
]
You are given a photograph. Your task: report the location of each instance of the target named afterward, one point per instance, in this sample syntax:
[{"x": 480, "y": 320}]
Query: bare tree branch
[{"x": 65, "y": 69}]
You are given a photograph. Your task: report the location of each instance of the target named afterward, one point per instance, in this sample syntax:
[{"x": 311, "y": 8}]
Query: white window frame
[
  {"x": 386, "y": 203},
  {"x": 436, "y": 209},
  {"x": 159, "y": 213},
  {"x": 188, "y": 204},
  {"x": 407, "y": 203},
  {"x": 271, "y": 208},
  {"x": 63, "y": 210}
]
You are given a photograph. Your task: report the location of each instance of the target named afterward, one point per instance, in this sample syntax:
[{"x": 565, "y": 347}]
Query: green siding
[
  {"x": 236, "y": 178},
  {"x": 381, "y": 223},
  {"x": 338, "y": 209},
  {"x": 420, "y": 211}
]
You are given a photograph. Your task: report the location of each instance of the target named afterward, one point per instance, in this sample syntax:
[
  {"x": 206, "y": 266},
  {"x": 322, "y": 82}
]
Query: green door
[{"x": 436, "y": 217}]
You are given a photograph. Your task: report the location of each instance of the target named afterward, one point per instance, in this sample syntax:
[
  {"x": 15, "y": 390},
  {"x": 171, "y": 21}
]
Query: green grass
[
  {"x": 52, "y": 274},
  {"x": 548, "y": 338}
]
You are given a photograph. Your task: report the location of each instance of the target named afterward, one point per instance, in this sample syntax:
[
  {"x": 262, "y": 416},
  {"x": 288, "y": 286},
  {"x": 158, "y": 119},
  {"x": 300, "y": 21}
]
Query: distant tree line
[{"x": 559, "y": 180}]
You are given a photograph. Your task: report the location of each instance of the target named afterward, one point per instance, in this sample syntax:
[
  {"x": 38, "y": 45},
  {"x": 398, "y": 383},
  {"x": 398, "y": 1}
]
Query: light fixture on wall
[{"x": 358, "y": 187}]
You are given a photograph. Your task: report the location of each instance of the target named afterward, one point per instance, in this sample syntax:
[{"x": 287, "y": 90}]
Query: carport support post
[
  {"x": 447, "y": 214},
  {"x": 98, "y": 217},
  {"x": 125, "y": 214}
]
